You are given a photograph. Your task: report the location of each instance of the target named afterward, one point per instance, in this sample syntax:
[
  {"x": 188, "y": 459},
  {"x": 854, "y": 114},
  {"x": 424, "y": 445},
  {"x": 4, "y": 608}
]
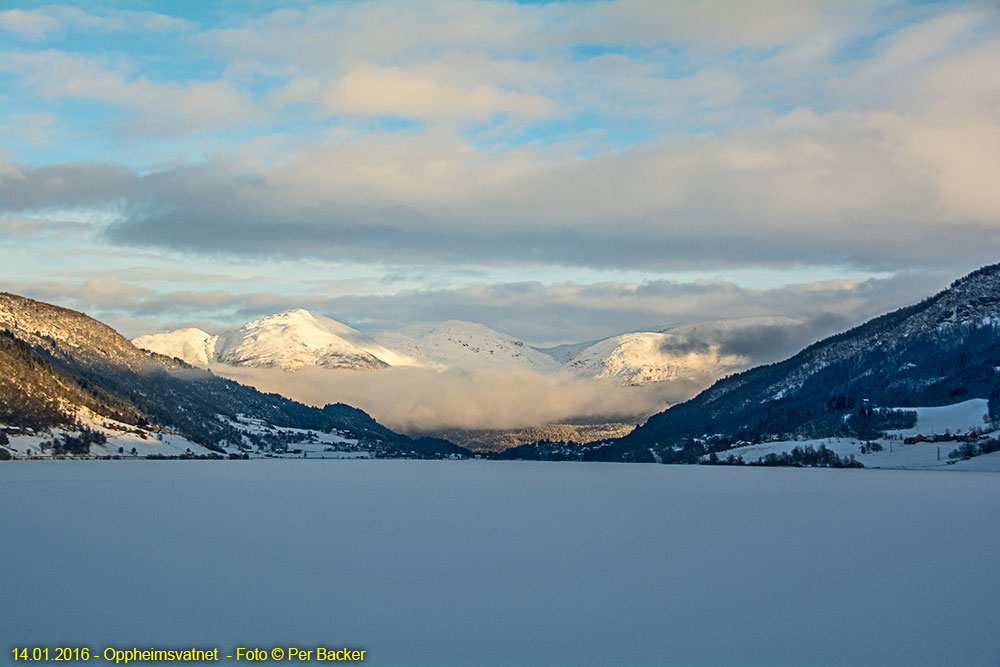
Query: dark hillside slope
[
  {"x": 943, "y": 350},
  {"x": 60, "y": 359},
  {"x": 34, "y": 393}
]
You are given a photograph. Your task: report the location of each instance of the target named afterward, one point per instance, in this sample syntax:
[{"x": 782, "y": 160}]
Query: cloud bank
[
  {"x": 441, "y": 142},
  {"x": 416, "y": 400}
]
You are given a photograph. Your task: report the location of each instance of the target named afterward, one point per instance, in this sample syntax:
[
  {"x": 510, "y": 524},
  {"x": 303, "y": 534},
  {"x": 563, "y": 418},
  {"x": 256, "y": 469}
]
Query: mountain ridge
[
  {"x": 55, "y": 361},
  {"x": 941, "y": 350},
  {"x": 691, "y": 352}
]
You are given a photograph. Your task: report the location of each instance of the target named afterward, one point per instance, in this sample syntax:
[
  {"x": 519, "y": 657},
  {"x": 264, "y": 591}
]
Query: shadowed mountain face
[
  {"x": 943, "y": 350},
  {"x": 57, "y": 360}
]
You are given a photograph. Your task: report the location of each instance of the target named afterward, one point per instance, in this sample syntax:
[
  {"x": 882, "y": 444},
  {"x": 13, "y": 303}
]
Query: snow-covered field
[
  {"x": 128, "y": 441},
  {"x": 959, "y": 418},
  {"x": 504, "y": 563},
  {"x": 122, "y": 440}
]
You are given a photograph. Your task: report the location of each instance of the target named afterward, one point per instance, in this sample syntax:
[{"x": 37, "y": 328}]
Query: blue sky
[{"x": 559, "y": 171}]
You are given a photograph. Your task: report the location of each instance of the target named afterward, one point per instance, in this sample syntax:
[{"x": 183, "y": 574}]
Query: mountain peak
[
  {"x": 295, "y": 313},
  {"x": 291, "y": 340},
  {"x": 305, "y": 320},
  {"x": 191, "y": 344},
  {"x": 985, "y": 273},
  {"x": 468, "y": 345},
  {"x": 60, "y": 368}
]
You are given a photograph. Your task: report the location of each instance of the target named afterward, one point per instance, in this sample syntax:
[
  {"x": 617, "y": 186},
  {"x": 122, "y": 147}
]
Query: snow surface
[
  {"x": 566, "y": 352},
  {"x": 299, "y": 338},
  {"x": 474, "y": 562},
  {"x": 956, "y": 418},
  {"x": 693, "y": 352},
  {"x": 290, "y": 340},
  {"x": 959, "y": 418},
  {"x": 465, "y": 345},
  {"x": 160, "y": 441},
  {"x": 192, "y": 345},
  {"x": 895, "y": 455},
  {"x": 119, "y": 435},
  {"x": 647, "y": 357}
]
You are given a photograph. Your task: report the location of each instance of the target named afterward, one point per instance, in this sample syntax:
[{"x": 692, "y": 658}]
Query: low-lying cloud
[
  {"x": 412, "y": 400},
  {"x": 415, "y": 400},
  {"x": 767, "y": 343}
]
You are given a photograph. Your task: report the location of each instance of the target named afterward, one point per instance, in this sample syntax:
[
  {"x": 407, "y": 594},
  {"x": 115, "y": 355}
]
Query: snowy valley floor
[
  {"x": 504, "y": 563},
  {"x": 959, "y": 418}
]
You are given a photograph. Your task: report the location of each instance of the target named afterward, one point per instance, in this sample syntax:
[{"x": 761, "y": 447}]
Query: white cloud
[
  {"x": 41, "y": 23},
  {"x": 394, "y": 31},
  {"x": 634, "y": 134},
  {"x": 421, "y": 400},
  {"x": 30, "y": 25},
  {"x": 104, "y": 293},
  {"x": 34, "y": 227},
  {"x": 306, "y": 89},
  {"x": 873, "y": 188},
  {"x": 394, "y": 91},
  {"x": 33, "y": 127},
  {"x": 171, "y": 107},
  {"x": 719, "y": 25}
]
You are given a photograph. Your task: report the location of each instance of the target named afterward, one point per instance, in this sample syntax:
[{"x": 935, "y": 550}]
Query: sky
[{"x": 559, "y": 171}]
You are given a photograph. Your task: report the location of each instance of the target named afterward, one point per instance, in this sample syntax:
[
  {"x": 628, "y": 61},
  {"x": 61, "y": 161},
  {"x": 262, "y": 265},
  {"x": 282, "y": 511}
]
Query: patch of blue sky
[
  {"x": 862, "y": 46},
  {"x": 595, "y": 133},
  {"x": 95, "y": 141},
  {"x": 151, "y": 155},
  {"x": 197, "y": 11},
  {"x": 78, "y": 132},
  {"x": 557, "y": 2},
  {"x": 888, "y": 19},
  {"x": 584, "y": 52},
  {"x": 751, "y": 55},
  {"x": 9, "y": 96},
  {"x": 177, "y": 61},
  {"x": 378, "y": 124},
  {"x": 668, "y": 61}
]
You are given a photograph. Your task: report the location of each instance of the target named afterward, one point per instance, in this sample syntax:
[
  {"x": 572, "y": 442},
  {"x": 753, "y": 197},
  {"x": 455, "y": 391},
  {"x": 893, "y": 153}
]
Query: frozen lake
[{"x": 504, "y": 563}]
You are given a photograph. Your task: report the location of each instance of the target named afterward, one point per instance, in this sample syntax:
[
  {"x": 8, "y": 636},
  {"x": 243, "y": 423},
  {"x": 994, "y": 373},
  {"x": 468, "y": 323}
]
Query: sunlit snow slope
[
  {"x": 645, "y": 357},
  {"x": 456, "y": 344},
  {"x": 290, "y": 340}
]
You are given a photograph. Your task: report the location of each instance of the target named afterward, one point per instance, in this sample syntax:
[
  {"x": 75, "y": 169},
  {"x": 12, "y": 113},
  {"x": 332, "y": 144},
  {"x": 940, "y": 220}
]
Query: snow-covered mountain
[
  {"x": 465, "y": 345},
  {"x": 193, "y": 345},
  {"x": 62, "y": 370},
  {"x": 299, "y": 338},
  {"x": 646, "y": 357},
  {"x": 699, "y": 352},
  {"x": 290, "y": 340},
  {"x": 941, "y": 351}
]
